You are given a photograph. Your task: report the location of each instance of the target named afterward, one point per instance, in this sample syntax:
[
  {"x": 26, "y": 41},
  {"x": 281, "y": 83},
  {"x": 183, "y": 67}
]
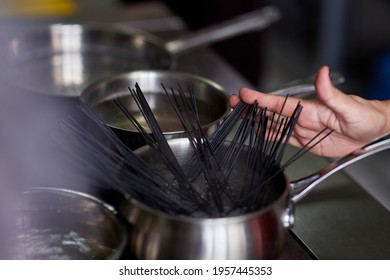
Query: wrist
[{"x": 386, "y": 112}]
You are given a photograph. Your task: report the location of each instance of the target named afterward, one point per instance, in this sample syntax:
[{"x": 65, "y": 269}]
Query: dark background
[{"x": 350, "y": 36}]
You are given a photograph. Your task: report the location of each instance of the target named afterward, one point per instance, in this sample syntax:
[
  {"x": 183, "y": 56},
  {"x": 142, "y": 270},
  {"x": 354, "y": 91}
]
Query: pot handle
[
  {"x": 253, "y": 21},
  {"x": 300, "y": 188}
]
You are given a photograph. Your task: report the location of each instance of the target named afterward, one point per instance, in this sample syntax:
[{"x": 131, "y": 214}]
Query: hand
[{"x": 355, "y": 121}]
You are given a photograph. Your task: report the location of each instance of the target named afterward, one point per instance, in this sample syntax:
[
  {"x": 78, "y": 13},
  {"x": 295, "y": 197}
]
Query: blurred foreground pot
[{"x": 54, "y": 223}]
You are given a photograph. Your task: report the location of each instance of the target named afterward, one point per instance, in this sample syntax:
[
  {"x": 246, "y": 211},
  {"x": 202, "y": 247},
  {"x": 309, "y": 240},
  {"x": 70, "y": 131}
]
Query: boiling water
[
  {"x": 50, "y": 225},
  {"x": 46, "y": 244}
]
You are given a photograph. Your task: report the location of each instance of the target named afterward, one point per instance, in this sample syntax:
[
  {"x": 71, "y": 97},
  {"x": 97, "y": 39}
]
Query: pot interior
[
  {"x": 237, "y": 195},
  {"x": 211, "y": 100}
]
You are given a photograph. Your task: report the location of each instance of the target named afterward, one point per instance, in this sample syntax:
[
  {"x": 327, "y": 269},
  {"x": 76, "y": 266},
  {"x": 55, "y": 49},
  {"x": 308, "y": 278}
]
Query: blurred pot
[
  {"x": 53, "y": 223},
  {"x": 62, "y": 59}
]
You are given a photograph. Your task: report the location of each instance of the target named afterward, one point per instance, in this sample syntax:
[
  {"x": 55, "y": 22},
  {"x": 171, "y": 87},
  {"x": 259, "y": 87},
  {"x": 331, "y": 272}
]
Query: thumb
[{"x": 328, "y": 93}]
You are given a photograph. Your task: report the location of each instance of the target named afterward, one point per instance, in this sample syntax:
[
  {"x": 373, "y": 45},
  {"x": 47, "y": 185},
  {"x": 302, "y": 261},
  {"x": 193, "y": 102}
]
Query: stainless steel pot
[
  {"x": 58, "y": 223},
  {"x": 257, "y": 235},
  {"x": 211, "y": 100},
  {"x": 62, "y": 59}
]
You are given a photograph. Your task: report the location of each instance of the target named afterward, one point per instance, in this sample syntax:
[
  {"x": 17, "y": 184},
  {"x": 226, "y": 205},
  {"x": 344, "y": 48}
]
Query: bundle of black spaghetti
[{"x": 205, "y": 185}]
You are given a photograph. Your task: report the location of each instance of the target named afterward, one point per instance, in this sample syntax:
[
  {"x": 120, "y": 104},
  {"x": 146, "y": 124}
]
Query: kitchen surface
[{"x": 347, "y": 215}]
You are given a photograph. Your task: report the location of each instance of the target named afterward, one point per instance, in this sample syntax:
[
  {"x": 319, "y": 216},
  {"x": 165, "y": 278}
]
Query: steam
[{"x": 28, "y": 154}]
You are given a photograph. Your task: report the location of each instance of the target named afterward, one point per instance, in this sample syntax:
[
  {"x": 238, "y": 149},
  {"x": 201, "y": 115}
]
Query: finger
[
  {"x": 234, "y": 100},
  {"x": 274, "y": 103}
]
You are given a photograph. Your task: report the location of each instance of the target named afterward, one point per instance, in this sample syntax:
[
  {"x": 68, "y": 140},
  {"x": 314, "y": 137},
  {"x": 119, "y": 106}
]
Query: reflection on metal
[
  {"x": 68, "y": 69},
  {"x": 68, "y": 64}
]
